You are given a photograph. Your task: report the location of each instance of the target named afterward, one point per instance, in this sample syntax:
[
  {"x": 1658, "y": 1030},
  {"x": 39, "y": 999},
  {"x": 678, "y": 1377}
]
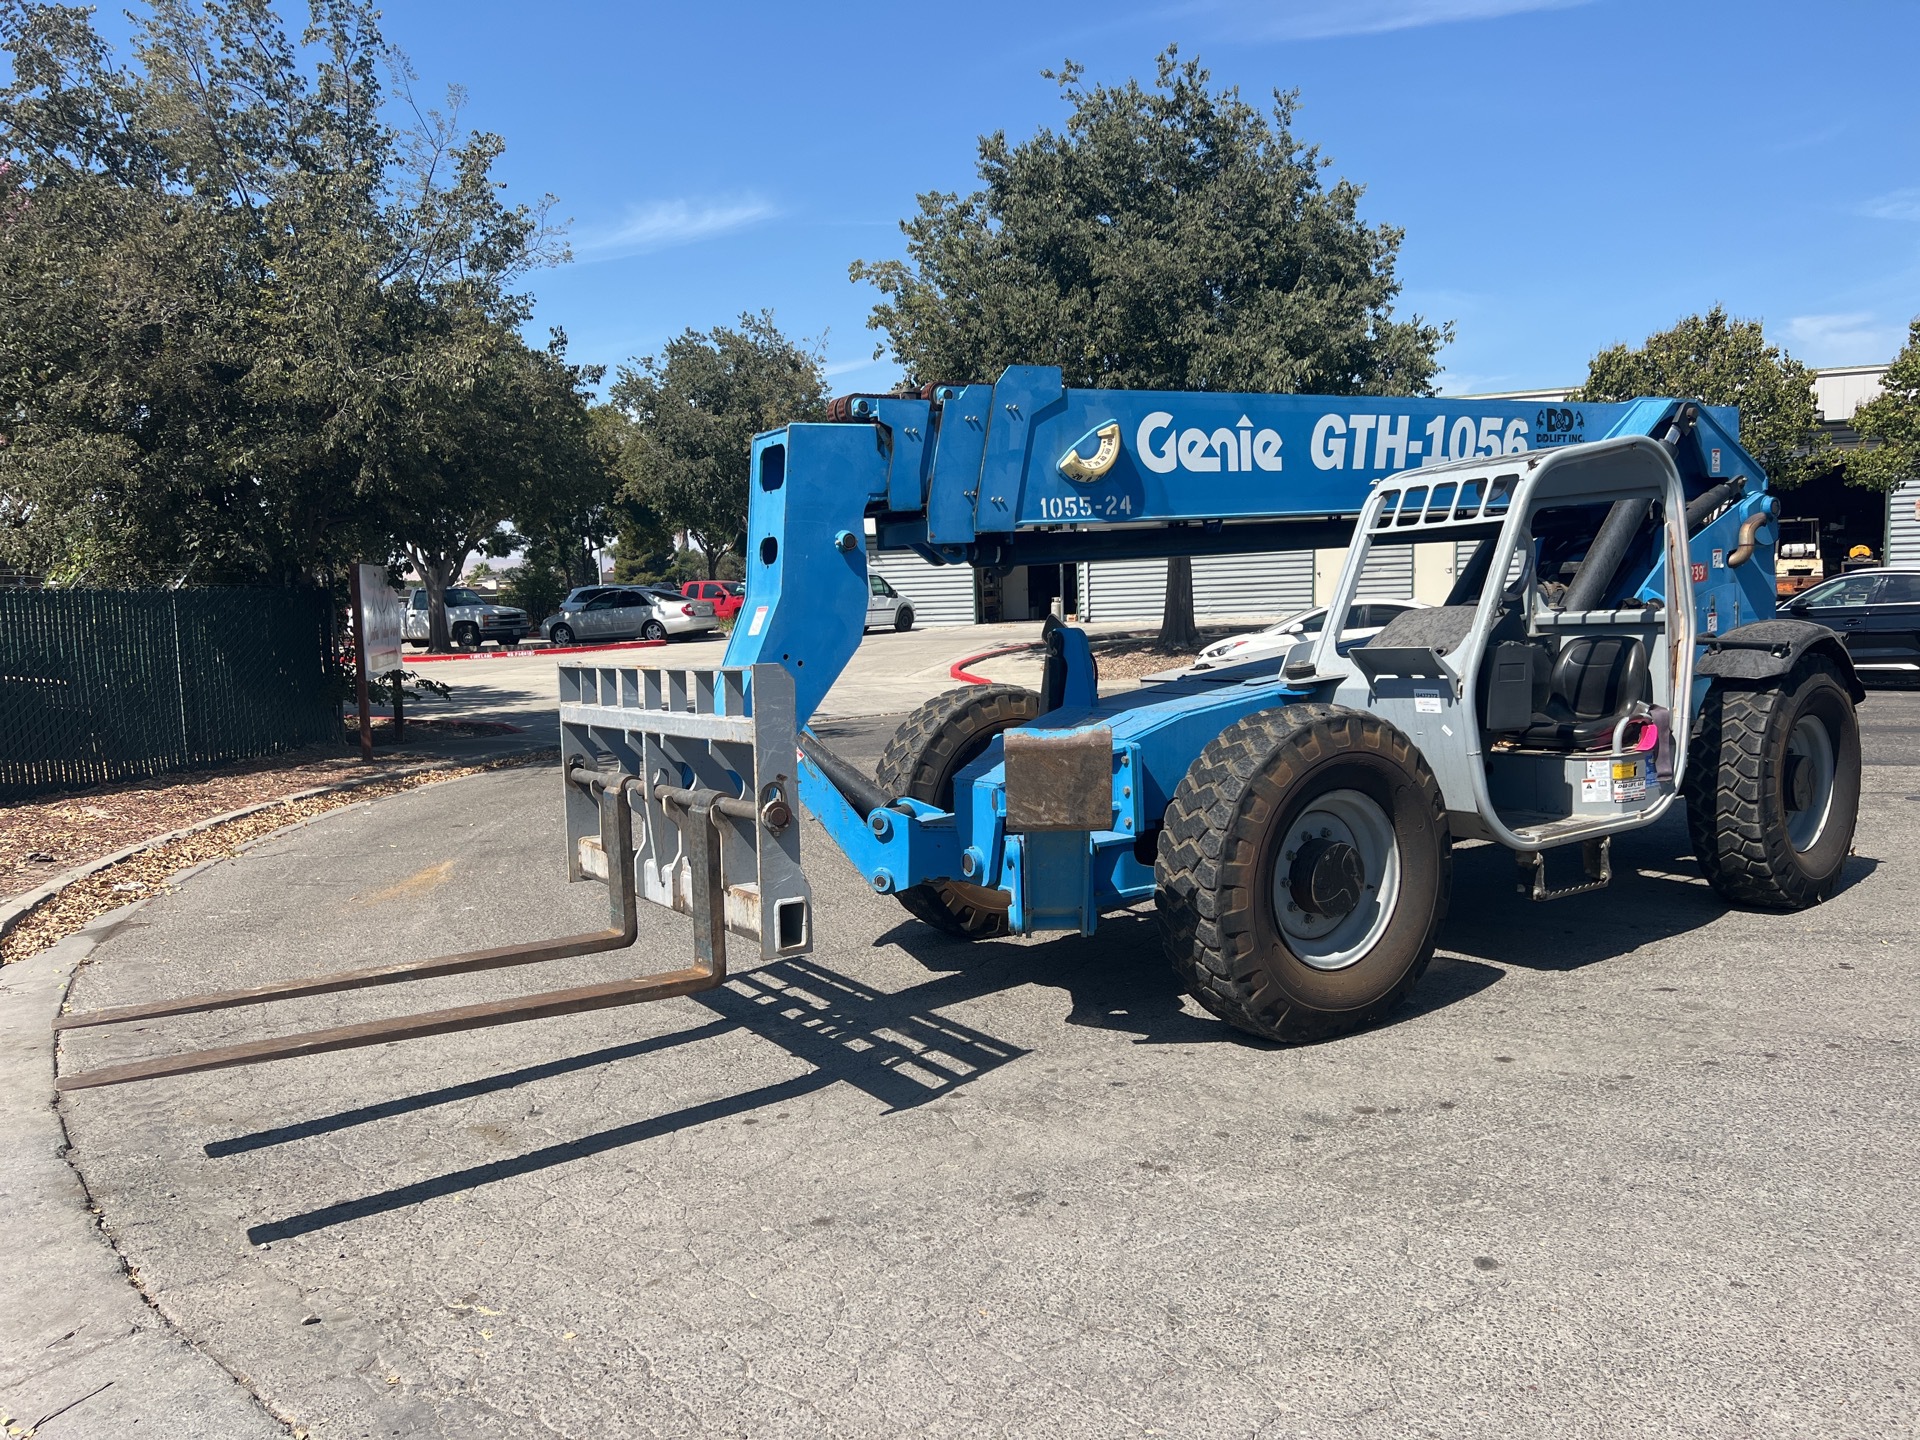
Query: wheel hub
[
  {"x": 1798, "y": 783},
  {"x": 1807, "y": 781},
  {"x": 1336, "y": 879},
  {"x": 1326, "y": 878}
]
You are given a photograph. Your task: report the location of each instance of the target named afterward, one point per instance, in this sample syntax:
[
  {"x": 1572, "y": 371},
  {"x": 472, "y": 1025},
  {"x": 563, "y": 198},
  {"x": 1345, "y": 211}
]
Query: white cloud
[
  {"x": 1894, "y": 205},
  {"x": 848, "y": 367},
  {"x": 1855, "y": 338},
  {"x": 663, "y": 224},
  {"x": 1324, "y": 19}
]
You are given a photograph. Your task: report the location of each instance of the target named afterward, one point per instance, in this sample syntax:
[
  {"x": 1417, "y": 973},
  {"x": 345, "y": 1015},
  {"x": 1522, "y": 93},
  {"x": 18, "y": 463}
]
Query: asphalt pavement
[{"x": 1630, "y": 1164}]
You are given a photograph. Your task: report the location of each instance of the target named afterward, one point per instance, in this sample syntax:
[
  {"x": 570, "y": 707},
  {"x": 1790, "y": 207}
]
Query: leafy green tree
[
  {"x": 236, "y": 301},
  {"x": 494, "y": 432},
  {"x": 694, "y": 411},
  {"x": 1172, "y": 237},
  {"x": 1890, "y": 423},
  {"x": 1724, "y": 361}
]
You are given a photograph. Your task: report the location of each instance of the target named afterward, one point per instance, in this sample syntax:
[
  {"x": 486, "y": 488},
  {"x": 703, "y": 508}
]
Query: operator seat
[{"x": 1595, "y": 680}]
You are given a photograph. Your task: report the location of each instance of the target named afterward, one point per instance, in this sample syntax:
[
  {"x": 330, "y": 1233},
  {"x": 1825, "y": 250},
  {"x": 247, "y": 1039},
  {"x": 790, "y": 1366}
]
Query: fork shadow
[{"x": 897, "y": 1048}]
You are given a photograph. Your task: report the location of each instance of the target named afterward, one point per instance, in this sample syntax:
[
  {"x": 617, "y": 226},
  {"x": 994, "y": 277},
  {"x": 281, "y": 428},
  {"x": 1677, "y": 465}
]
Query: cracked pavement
[{"x": 1631, "y": 1164}]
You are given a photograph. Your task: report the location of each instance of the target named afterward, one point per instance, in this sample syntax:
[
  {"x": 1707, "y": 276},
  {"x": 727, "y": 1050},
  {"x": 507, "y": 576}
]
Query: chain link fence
[{"x": 103, "y": 685}]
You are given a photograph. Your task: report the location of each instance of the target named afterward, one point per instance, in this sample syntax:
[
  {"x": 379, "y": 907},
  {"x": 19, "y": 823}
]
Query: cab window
[{"x": 879, "y": 586}]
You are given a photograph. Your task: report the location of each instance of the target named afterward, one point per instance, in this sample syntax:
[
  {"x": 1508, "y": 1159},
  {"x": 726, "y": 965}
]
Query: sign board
[{"x": 377, "y": 621}]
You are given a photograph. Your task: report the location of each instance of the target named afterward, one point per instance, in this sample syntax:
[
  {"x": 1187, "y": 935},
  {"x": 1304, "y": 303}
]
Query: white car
[
  {"x": 596, "y": 613},
  {"x": 1365, "y": 620},
  {"x": 886, "y": 606},
  {"x": 472, "y": 619}
]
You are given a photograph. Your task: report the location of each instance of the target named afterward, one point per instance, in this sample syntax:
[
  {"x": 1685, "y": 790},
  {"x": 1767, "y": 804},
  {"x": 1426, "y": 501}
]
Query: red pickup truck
[{"x": 727, "y": 595}]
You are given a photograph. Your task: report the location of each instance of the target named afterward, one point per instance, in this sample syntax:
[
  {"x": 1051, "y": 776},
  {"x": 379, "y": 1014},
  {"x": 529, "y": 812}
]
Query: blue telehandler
[{"x": 1609, "y": 650}]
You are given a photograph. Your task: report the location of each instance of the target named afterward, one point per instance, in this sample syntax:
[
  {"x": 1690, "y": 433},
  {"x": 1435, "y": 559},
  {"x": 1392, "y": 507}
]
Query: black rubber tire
[
  {"x": 932, "y": 746},
  {"x": 1736, "y": 788},
  {"x": 467, "y": 635},
  {"x": 653, "y": 630},
  {"x": 1215, "y": 870},
  {"x": 903, "y": 618},
  {"x": 560, "y": 635}
]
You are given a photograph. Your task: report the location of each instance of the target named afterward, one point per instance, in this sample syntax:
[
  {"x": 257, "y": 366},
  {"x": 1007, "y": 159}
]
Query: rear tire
[
  {"x": 1773, "y": 788},
  {"x": 903, "y": 618},
  {"x": 931, "y": 747},
  {"x": 1300, "y": 941},
  {"x": 653, "y": 630}
]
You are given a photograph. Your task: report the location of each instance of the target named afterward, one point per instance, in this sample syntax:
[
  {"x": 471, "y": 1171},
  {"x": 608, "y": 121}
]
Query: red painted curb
[
  {"x": 541, "y": 650},
  {"x": 958, "y": 670}
]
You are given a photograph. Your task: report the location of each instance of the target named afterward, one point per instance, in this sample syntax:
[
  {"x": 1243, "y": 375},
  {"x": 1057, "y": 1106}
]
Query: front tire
[
  {"x": 932, "y": 746},
  {"x": 903, "y": 618},
  {"x": 1773, "y": 788},
  {"x": 561, "y": 635},
  {"x": 467, "y": 635},
  {"x": 1303, "y": 871}
]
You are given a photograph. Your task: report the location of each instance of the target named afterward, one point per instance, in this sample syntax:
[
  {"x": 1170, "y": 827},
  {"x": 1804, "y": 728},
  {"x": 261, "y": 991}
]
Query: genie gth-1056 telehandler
[{"x": 1610, "y": 650}]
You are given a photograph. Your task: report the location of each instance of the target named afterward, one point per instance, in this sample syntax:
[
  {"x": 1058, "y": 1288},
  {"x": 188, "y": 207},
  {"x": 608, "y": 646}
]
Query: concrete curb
[
  {"x": 77, "y": 1338},
  {"x": 16, "y": 909},
  {"x": 79, "y": 1331}
]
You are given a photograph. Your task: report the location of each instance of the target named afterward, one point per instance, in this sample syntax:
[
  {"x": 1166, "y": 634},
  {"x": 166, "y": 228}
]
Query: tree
[
  {"x": 227, "y": 280},
  {"x": 1724, "y": 361},
  {"x": 1168, "y": 238},
  {"x": 494, "y": 429},
  {"x": 1891, "y": 421},
  {"x": 694, "y": 412}
]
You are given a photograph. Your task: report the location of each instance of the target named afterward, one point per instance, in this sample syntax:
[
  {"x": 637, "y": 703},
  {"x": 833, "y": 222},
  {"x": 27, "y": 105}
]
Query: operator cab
[{"x": 1547, "y": 692}]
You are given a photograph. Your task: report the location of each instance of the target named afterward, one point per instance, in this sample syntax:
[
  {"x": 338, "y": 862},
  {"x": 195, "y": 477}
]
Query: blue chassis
[{"x": 969, "y": 478}]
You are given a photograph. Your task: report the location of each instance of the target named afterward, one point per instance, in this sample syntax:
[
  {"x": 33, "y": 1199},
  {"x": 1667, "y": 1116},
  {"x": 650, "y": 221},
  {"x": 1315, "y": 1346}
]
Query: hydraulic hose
[
  {"x": 1616, "y": 534},
  {"x": 1702, "y": 507},
  {"x": 849, "y": 779}
]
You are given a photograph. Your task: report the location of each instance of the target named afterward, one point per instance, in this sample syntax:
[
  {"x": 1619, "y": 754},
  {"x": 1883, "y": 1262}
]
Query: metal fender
[{"x": 1768, "y": 649}]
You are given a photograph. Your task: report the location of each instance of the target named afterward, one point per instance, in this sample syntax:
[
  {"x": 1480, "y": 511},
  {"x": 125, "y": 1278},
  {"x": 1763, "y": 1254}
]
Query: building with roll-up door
[{"x": 1272, "y": 584}]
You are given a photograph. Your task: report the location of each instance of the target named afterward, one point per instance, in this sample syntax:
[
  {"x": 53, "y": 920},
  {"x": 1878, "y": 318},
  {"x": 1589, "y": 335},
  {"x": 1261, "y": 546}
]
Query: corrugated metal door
[
  {"x": 1248, "y": 585},
  {"x": 1903, "y": 525},
  {"x": 1123, "y": 589},
  {"x": 1389, "y": 574},
  {"x": 1276, "y": 585},
  {"x": 941, "y": 594}
]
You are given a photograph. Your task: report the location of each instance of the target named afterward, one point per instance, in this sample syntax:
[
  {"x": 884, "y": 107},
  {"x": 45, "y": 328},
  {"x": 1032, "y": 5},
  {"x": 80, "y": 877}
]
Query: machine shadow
[
  {"x": 1658, "y": 893},
  {"x": 1120, "y": 980}
]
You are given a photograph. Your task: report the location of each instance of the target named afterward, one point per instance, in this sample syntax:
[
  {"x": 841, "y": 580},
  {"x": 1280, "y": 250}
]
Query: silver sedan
[{"x": 637, "y": 613}]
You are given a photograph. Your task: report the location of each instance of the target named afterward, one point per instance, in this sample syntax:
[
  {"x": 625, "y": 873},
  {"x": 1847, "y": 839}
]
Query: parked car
[
  {"x": 886, "y": 605},
  {"x": 1877, "y": 613},
  {"x": 472, "y": 619},
  {"x": 595, "y": 614},
  {"x": 1365, "y": 620},
  {"x": 727, "y": 595}
]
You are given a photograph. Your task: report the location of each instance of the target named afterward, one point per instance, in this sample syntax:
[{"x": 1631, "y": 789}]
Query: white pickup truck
[{"x": 472, "y": 619}]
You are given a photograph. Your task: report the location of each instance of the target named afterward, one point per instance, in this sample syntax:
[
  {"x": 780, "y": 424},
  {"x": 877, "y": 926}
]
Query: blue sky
[{"x": 1570, "y": 173}]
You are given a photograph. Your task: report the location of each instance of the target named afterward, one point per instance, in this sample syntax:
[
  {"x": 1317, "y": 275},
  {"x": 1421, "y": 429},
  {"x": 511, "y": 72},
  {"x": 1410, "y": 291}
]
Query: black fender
[{"x": 1769, "y": 649}]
